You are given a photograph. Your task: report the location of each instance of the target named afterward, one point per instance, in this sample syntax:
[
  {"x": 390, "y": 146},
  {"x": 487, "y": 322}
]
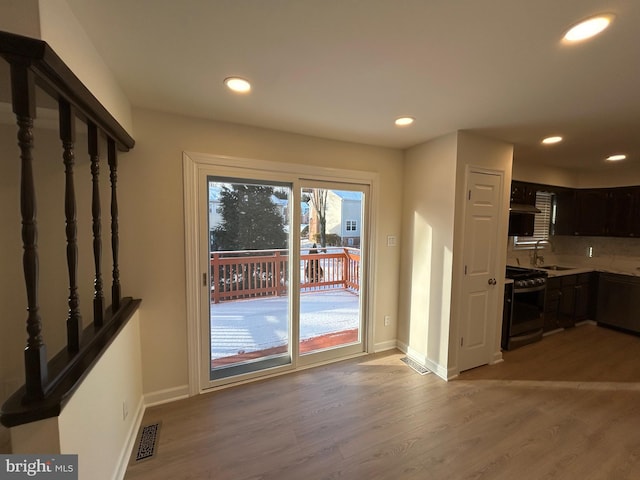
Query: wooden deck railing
[{"x": 259, "y": 273}]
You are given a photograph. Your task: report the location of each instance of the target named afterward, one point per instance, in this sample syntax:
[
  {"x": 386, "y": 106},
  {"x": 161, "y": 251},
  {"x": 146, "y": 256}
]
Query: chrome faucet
[{"x": 536, "y": 257}]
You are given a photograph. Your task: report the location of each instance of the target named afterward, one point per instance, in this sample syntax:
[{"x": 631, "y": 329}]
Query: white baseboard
[
  {"x": 586, "y": 322},
  {"x": 384, "y": 346},
  {"x": 125, "y": 454},
  {"x": 433, "y": 367},
  {"x": 439, "y": 370},
  {"x": 497, "y": 358},
  {"x": 165, "y": 396}
]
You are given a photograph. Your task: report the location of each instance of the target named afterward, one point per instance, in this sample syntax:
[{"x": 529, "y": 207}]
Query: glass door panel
[
  {"x": 331, "y": 287},
  {"x": 249, "y": 323}
]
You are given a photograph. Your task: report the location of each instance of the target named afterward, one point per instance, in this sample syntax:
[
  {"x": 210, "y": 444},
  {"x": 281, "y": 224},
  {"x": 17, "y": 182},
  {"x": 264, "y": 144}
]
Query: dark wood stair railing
[{"x": 48, "y": 385}]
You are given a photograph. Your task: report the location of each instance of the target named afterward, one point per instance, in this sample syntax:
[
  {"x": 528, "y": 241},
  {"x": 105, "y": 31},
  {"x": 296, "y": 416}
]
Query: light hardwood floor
[{"x": 567, "y": 407}]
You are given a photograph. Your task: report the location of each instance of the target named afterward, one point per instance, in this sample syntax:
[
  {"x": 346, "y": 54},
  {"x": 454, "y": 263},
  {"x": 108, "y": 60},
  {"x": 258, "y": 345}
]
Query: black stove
[
  {"x": 523, "y": 320},
  {"x": 526, "y": 277}
]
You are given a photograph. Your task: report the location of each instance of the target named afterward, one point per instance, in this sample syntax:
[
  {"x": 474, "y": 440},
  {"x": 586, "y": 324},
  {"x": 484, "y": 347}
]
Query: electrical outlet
[
  {"x": 125, "y": 410},
  {"x": 387, "y": 320}
]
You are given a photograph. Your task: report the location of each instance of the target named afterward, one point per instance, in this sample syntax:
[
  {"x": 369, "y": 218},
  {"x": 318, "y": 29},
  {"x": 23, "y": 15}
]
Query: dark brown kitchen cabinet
[
  {"x": 612, "y": 212},
  {"x": 522, "y": 224},
  {"x": 586, "y": 289},
  {"x": 624, "y": 212},
  {"x": 591, "y": 212},
  {"x": 523, "y": 193},
  {"x": 619, "y": 301},
  {"x": 568, "y": 300},
  {"x": 564, "y": 202},
  {"x": 552, "y": 297}
]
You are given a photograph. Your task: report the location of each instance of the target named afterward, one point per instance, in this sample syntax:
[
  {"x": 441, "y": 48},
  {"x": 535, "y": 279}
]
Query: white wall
[
  {"x": 21, "y": 17},
  {"x": 611, "y": 175},
  {"x": 485, "y": 153},
  {"x": 433, "y": 219},
  {"x": 61, "y": 30},
  {"x": 97, "y": 406},
  {"x": 427, "y": 234},
  {"x": 92, "y": 424},
  {"x": 619, "y": 174},
  {"x": 544, "y": 174},
  {"x": 152, "y": 221}
]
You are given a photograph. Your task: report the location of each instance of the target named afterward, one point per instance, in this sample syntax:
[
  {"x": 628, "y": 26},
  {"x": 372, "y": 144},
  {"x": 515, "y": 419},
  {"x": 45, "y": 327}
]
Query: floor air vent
[
  {"x": 415, "y": 365},
  {"x": 147, "y": 442}
]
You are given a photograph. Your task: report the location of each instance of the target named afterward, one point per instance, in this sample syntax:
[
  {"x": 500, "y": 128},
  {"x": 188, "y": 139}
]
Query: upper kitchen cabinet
[
  {"x": 624, "y": 212},
  {"x": 612, "y": 212},
  {"x": 522, "y": 209},
  {"x": 523, "y": 193},
  {"x": 591, "y": 212},
  {"x": 565, "y": 203}
]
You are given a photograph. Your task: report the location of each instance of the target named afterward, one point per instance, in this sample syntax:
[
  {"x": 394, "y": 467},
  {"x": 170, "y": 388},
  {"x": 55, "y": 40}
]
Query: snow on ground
[{"x": 256, "y": 324}]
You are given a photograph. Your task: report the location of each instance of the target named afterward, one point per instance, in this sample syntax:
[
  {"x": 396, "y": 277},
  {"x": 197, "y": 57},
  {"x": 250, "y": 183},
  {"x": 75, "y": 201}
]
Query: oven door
[{"x": 528, "y": 311}]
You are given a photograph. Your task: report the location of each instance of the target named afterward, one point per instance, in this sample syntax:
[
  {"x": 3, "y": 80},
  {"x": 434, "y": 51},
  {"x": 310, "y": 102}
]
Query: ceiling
[{"x": 345, "y": 69}]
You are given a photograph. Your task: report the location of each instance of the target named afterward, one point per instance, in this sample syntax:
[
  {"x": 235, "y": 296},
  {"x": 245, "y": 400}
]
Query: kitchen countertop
[
  {"x": 570, "y": 271},
  {"x": 622, "y": 266}
]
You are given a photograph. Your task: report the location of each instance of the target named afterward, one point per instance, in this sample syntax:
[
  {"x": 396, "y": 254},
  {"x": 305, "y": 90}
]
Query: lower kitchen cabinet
[
  {"x": 552, "y": 297},
  {"x": 619, "y": 301},
  {"x": 569, "y": 299}
]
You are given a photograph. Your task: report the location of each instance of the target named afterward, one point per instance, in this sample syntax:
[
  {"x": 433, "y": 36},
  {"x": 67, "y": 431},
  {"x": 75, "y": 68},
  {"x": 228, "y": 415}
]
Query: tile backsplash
[
  {"x": 612, "y": 254},
  {"x": 600, "y": 246}
]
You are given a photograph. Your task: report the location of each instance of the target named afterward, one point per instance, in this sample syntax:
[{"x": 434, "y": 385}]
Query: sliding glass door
[
  {"x": 249, "y": 324},
  {"x": 331, "y": 290},
  {"x": 283, "y": 262}
]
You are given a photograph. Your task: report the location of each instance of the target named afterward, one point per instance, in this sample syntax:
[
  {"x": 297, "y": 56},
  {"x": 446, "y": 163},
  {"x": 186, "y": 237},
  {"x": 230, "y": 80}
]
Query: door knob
[{"x": 492, "y": 281}]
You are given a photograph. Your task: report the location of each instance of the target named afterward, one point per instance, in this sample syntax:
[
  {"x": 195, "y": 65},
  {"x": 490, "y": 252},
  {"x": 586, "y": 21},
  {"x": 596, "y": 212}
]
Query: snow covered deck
[{"x": 261, "y": 324}]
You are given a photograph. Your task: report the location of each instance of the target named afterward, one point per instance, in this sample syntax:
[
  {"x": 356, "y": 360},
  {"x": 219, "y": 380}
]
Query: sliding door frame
[
  {"x": 195, "y": 165},
  {"x": 341, "y": 351}
]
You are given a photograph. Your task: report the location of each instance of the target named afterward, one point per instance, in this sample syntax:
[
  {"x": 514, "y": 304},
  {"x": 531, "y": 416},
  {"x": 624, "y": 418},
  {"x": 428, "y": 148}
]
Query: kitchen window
[{"x": 544, "y": 203}]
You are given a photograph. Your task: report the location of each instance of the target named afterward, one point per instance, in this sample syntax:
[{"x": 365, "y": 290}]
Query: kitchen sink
[{"x": 556, "y": 267}]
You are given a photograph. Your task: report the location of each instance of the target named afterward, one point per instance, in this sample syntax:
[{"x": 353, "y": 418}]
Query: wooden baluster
[
  {"x": 35, "y": 353},
  {"x": 98, "y": 294},
  {"x": 276, "y": 270},
  {"x": 67, "y": 135},
  {"x": 215, "y": 270},
  {"x": 113, "y": 170}
]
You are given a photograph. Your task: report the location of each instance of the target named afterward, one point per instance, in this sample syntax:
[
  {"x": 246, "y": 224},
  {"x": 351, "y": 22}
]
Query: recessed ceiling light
[
  {"x": 404, "y": 121},
  {"x": 237, "y": 84},
  {"x": 588, "y": 28},
  {"x": 616, "y": 158},
  {"x": 552, "y": 140}
]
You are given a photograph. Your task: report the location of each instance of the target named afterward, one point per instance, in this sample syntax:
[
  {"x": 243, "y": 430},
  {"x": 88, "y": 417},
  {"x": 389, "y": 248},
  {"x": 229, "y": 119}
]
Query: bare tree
[{"x": 318, "y": 199}]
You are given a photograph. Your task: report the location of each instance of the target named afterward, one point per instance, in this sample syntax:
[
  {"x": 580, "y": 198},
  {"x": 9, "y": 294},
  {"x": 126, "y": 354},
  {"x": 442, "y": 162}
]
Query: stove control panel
[{"x": 530, "y": 282}]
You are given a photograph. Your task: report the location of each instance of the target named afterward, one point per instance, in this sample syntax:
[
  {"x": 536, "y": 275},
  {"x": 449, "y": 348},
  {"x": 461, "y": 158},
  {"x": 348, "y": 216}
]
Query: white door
[{"x": 479, "y": 291}]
